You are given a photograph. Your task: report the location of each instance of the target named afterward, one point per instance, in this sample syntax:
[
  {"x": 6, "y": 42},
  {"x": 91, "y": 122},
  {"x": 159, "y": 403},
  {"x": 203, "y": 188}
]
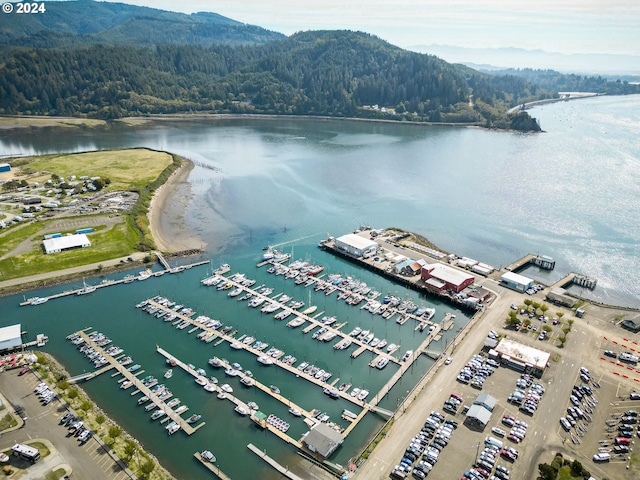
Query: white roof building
[
  {"x": 66, "y": 242},
  {"x": 10, "y": 337},
  {"x": 356, "y": 245}
]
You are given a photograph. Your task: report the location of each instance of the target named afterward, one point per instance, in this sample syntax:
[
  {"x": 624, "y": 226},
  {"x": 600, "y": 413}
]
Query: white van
[
  {"x": 493, "y": 441},
  {"x": 601, "y": 457}
]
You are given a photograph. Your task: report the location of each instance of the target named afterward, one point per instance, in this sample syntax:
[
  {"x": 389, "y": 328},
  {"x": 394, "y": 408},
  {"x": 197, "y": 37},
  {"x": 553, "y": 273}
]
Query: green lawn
[
  {"x": 106, "y": 244},
  {"x": 128, "y": 169},
  {"x": 17, "y": 235}
]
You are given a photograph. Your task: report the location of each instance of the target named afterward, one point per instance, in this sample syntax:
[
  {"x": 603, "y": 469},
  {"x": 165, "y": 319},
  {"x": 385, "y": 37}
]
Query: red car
[{"x": 24, "y": 370}]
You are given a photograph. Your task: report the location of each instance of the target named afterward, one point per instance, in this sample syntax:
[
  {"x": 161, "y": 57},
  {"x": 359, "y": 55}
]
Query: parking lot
[{"x": 89, "y": 460}]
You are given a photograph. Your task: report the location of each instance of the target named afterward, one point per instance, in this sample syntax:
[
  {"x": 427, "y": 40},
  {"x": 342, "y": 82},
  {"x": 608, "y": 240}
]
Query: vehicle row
[
  {"x": 76, "y": 427},
  {"x": 424, "y": 449},
  {"x": 45, "y": 394}
]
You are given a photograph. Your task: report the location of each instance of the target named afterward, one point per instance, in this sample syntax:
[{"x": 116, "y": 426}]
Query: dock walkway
[
  {"x": 263, "y": 455},
  {"x": 214, "y": 468}
]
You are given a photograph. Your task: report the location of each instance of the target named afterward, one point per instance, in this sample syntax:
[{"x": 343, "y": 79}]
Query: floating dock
[
  {"x": 113, "y": 363},
  {"x": 282, "y": 470},
  {"x": 110, "y": 283},
  {"x": 213, "y": 468}
]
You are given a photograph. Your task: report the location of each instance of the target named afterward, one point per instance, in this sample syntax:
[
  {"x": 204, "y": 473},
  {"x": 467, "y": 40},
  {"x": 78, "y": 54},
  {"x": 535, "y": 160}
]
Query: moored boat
[
  {"x": 207, "y": 456},
  {"x": 241, "y": 410},
  {"x": 168, "y": 373},
  {"x": 194, "y": 418}
]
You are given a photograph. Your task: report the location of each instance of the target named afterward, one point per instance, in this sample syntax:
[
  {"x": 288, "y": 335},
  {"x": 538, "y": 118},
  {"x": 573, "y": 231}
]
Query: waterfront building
[
  {"x": 10, "y": 337},
  {"x": 486, "y": 401},
  {"x": 356, "y": 245},
  {"x": 322, "y": 439},
  {"x": 66, "y": 242},
  {"x": 516, "y": 282},
  {"x": 444, "y": 277},
  {"x": 559, "y": 297}
]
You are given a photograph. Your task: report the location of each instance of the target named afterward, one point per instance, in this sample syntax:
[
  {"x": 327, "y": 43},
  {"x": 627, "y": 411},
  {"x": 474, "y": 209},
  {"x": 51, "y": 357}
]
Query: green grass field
[
  {"x": 128, "y": 169},
  {"x": 106, "y": 244}
]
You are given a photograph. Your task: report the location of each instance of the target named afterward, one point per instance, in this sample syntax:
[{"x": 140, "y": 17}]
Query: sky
[{"x": 561, "y": 26}]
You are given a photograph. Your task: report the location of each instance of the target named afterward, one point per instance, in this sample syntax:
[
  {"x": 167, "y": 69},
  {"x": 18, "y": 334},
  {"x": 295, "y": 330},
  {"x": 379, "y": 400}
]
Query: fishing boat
[
  {"x": 221, "y": 395},
  {"x": 349, "y": 414},
  {"x": 143, "y": 400},
  {"x": 391, "y": 347},
  {"x": 202, "y": 381},
  {"x": 173, "y": 402},
  {"x": 226, "y": 388},
  {"x": 246, "y": 381},
  {"x": 168, "y": 373},
  {"x": 363, "y": 394},
  {"x": 355, "y": 392},
  {"x": 134, "y": 368},
  {"x": 231, "y": 372},
  {"x": 86, "y": 289},
  {"x": 194, "y": 418},
  {"x": 274, "y": 389},
  {"x": 355, "y": 332},
  {"x": 253, "y": 406},
  {"x": 295, "y": 412},
  {"x": 380, "y": 364},
  {"x": 296, "y": 322},
  {"x": 210, "y": 387},
  {"x": 331, "y": 393},
  {"x": 126, "y": 384},
  {"x": 150, "y": 407},
  {"x": 181, "y": 409}
]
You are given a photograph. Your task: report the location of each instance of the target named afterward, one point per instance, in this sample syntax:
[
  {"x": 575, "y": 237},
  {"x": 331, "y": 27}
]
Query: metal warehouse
[
  {"x": 452, "y": 278},
  {"x": 356, "y": 245},
  {"x": 67, "y": 242},
  {"x": 516, "y": 282},
  {"x": 10, "y": 337}
]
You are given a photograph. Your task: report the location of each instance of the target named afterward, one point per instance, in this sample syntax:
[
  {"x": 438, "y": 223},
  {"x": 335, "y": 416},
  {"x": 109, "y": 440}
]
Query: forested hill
[
  {"x": 66, "y": 24},
  {"x": 561, "y": 82},
  {"x": 331, "y": 73}
]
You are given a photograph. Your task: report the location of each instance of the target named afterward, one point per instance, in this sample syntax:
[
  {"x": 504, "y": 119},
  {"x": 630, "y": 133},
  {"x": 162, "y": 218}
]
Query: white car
[
  {"x": 498, "y": 431},
  {"x": 448, "y": 360}
]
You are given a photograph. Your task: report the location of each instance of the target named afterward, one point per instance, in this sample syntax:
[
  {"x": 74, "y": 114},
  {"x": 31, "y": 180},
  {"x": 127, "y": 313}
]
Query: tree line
[{"x": 330, "y": 73}]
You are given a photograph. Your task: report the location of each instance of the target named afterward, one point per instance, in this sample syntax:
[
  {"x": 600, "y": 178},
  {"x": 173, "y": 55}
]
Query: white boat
[
  {"x": 215, "y": 362},
  {"x": 355, "y": 332},
  {"x": 380, "y": 364},
  {"x": 241, "y": 410},
  {"x": 274, "y": 389},
  {"x": 355, "y": 392},
  {"x": 173, "y": 427},
  {"x": 143, "y": 276},
  {"x": 391, "y": 347},
  {"x": 253, "y": 406},
  {"x": 295, "y": 412},
  {"x": 181, "y": 408},
  {"x": 86, "y": 289},
  {"x": 168, "y": 373},
  {"x": 310, "y": 310},
  {"x": 349, "y": 414},
  {"x": 173, "y": 402},
  {"x": 38, "y": 300},
  {"x": 407, "y": 355},
  {"x": 296, "y": 322},
  {"x": 231, "y": 372},
  {"x": 207, "y": 456},
  {"x": 157, "y": 414},
  {"x": 210, "y": 387},
  {"x": 202, "y": 381},
  {"x": 226, "y": 388},
  {"x": 363, "y": 394},
  {"x": 265, "y": 360}
]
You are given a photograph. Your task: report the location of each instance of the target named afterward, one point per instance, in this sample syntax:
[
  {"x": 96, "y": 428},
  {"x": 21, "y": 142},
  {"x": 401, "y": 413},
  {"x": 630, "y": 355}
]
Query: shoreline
[{"x": 172, "y": 237}]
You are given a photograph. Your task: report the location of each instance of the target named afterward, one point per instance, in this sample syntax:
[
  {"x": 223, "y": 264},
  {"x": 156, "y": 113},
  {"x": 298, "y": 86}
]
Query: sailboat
[{"x": 86, "y": 289}]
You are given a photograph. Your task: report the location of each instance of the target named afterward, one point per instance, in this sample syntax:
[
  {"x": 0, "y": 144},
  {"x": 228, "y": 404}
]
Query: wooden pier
[
  {"x": 107, "y": 283},
  {"x": 213, "y": 468},
  {"x": 160, "y": 403},
  {"x": 282, "y": 470},
  {"x": 235, "y": 400}
]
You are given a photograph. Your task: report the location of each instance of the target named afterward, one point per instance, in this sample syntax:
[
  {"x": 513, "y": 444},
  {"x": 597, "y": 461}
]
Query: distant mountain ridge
[
  {"x": 505, "y": 58},
  {"x": 69, "y": 23}
]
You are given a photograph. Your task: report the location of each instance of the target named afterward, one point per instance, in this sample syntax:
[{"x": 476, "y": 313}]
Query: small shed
[{"x": 477, "y": 417}]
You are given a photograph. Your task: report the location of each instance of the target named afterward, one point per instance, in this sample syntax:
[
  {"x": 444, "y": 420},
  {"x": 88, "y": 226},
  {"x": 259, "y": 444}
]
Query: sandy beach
[{"x": 166, "y": 213}]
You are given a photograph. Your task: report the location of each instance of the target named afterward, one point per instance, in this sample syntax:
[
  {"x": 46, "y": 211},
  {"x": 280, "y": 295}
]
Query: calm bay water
[{"x": 572, "y": 193}]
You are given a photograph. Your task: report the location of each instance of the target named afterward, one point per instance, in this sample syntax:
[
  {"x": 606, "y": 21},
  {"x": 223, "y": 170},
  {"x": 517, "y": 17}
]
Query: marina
[{"x": 157, "y": 400}]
